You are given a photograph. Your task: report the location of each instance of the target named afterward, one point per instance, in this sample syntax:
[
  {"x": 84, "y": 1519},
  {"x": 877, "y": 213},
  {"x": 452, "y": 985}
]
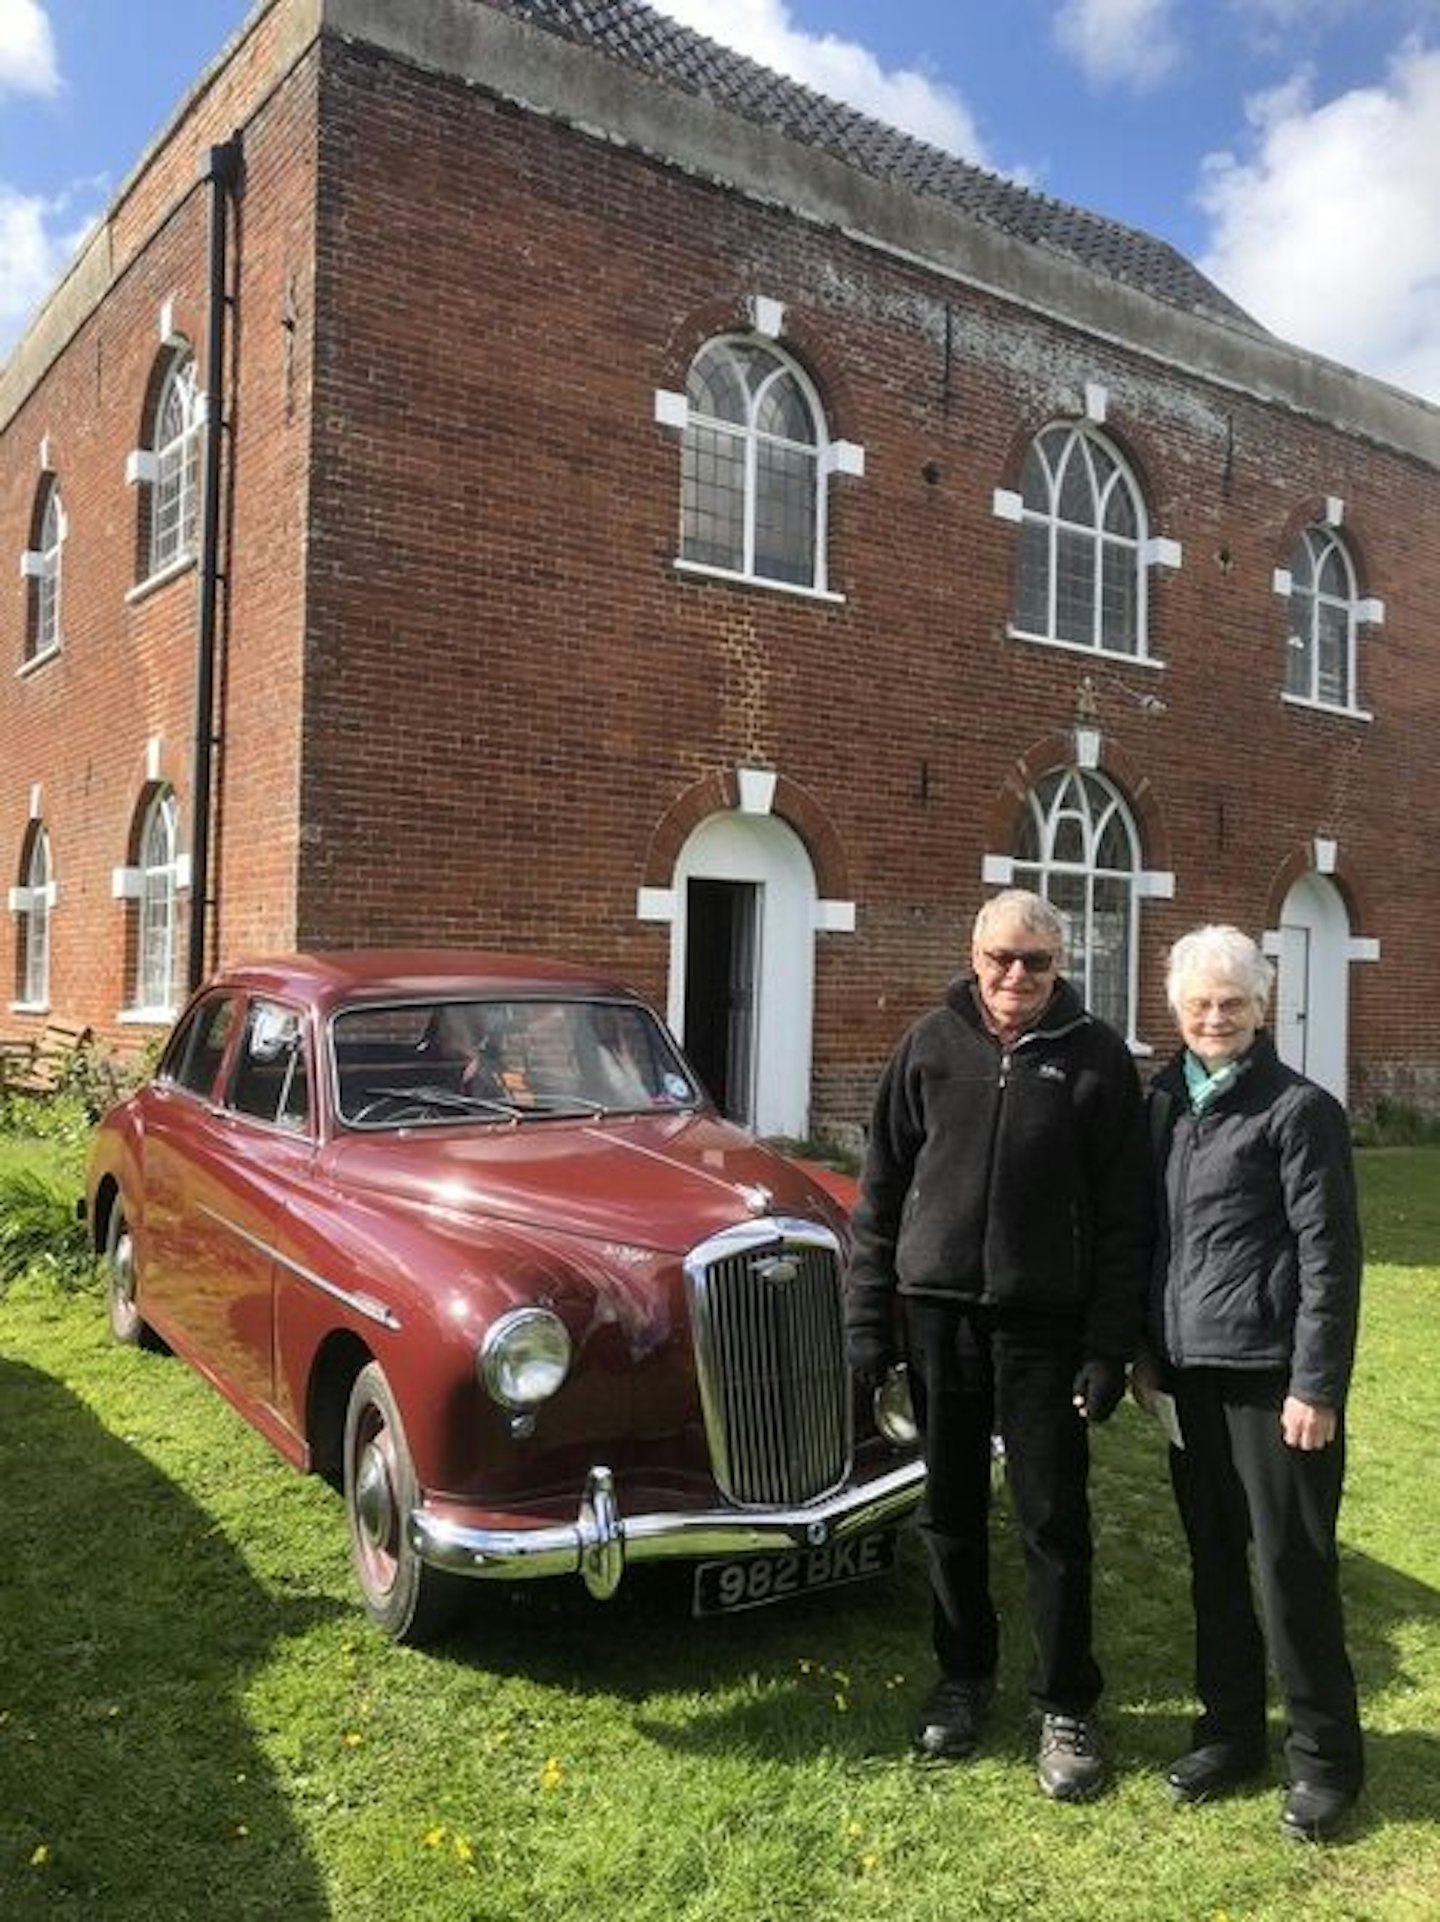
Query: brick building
[{"x": 508, "y": 472}]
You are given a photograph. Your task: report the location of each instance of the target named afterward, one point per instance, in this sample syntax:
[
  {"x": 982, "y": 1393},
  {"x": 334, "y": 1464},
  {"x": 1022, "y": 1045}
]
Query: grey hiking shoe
[
  {"x": 1072, "y": 1763},
  {"x": 948, "y": 1726}
]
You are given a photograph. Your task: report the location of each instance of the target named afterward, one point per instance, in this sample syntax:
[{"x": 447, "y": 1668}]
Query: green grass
[{"x": 195, "y": 1721}]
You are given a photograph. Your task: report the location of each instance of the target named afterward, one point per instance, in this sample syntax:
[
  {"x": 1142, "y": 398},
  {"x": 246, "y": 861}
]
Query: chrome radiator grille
[{"x": 769, "y": 1338}]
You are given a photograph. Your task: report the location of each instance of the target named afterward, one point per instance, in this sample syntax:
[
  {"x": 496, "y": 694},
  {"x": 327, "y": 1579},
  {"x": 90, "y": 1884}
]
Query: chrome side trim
[
  {"x": 600, "y": 1543},
  {"x": 365, "y": 1305}
]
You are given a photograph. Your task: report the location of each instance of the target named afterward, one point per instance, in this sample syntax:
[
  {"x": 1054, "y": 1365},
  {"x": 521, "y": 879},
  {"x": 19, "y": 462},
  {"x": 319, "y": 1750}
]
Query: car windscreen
[{"x": 437, "y": 1062}]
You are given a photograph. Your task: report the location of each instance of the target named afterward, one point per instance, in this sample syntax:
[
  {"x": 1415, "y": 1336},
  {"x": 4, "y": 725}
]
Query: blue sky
[{"x": 1290, "y": 147}]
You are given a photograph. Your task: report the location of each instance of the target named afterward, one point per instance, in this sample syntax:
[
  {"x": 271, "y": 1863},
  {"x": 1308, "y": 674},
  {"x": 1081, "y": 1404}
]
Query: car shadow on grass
[{"x": 130, "y": 1785}]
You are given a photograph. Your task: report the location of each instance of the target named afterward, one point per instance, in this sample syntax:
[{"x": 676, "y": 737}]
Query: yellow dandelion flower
[
  {"x": 839, "y": 1675},
  {"x": 40, "y": 1855},
  {"x": 464, "y": 1848},
  {"x": 869, "y": 1863},
  {"x": 842, "y": 1703},
  {"x": 853, "y": 1830},
  {"x": 432, "y": 1838},
  {"x": 353, "y": 1738},
  {"x": 551, "y": 1773}
]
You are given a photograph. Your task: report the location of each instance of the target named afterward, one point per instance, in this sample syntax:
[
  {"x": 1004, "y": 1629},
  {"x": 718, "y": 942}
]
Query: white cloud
[
  {"x": 905, "y": 98},
  {"x": 37, "y": 240},
  {"x": 1329, "y": 232},
  {"x": 27, "y": 49},
  {"x": 1127, "y": 43}
]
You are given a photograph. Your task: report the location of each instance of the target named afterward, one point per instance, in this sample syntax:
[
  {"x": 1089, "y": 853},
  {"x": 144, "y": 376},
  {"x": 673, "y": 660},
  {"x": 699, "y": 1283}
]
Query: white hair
[
  {"x": 1032, "y": 911},
  {"x": 1223, "y": 953}
]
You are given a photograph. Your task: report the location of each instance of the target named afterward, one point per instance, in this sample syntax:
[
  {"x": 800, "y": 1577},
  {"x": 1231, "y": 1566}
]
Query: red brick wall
[{"x": 465, "y": 686}]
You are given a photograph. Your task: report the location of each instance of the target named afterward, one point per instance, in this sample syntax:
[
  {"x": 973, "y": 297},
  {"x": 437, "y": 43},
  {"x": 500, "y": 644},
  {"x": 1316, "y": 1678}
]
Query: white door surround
[
  {"x": 1312, "y": 950},
  {"x": 763, "y": 851}
]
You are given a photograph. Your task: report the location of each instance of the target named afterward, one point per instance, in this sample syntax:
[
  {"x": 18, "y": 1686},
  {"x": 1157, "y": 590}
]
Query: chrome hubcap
[{"x": 374, "y": 1498}]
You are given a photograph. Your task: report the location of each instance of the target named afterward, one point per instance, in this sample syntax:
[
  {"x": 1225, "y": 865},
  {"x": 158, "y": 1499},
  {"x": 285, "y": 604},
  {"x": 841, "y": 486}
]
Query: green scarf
[{"x": 1204, "y": 1088}]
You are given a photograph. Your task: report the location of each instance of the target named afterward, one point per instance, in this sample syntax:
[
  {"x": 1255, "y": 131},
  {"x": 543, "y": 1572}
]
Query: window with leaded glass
[
  {"x": 41, "y": 566},
  {"x": 1079, "y": 575},
  {"x": 158, "y": 928},
  {"x": 175, "y": 488},
  {"x": 1320, "y": 657},
  {"x": 752, "y": 502},
  {"x": 1077, "y": 846},
  {"x": 37, "y": 899}
]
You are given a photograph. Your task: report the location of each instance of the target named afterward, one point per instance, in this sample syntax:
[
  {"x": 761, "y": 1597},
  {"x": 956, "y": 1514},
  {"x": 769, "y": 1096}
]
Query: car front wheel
[{"x": 411, "y": 1602}]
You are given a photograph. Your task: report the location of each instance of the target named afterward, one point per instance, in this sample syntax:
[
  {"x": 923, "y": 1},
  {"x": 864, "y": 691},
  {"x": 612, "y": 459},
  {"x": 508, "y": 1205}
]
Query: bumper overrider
[{"x": 600, "y": 1542}]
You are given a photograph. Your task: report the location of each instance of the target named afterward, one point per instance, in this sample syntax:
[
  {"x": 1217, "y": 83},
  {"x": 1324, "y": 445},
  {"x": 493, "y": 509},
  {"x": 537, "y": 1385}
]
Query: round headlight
[
  {"x": 894, "y": 1411},
  {"x": 524, "y": 1357}
]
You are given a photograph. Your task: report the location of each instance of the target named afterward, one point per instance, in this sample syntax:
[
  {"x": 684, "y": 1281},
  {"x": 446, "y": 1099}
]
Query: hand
[
  {"x": 871, "y": 1358},
  {"x": 1144, "y": 1381},
  {"x": 1098, "y": 1387},
  {"x": 1307, "y": 1425}
]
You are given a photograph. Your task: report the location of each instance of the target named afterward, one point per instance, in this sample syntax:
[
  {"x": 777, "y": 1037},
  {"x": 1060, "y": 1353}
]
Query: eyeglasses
[{"x": 1032, "y": 960}]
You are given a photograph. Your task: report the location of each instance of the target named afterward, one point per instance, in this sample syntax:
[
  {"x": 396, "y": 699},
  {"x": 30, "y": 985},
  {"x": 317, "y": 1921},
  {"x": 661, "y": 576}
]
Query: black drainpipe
[{"x": 220, "y": 174}]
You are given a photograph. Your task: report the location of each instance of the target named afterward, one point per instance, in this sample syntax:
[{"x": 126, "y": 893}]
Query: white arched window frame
[
  {"x": 1077, "y": 845},
  {"x": 35, "y": 899},
  {"x": 1324, "y": 615},
  {"x": 755, "y": 454},
  {"x": 157, "y": 933},
  {"x": 41, "y": 566},
  {"x": 1080, "y": 573},
  {"x": 175, "y": 467}
]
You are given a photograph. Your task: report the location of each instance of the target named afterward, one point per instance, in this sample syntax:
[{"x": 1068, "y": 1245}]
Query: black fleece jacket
[
  {"x": 1258, "y": 1261},
  {"x": 1018, "y": 1177}
]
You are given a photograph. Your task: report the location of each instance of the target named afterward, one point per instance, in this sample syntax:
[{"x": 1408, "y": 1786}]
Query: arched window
[
  {"x": 169, "y": 469},
  {"x": 752, "y": 498},
  {"x": 1080, "y": 578},
  {"x": 158, "y": 925},
  {"x": 40, "y": 565},
  {"x": 35, "y": 899},
  {"x": 1324, "y": 615},
  {"x": 1077, "y": 845}
]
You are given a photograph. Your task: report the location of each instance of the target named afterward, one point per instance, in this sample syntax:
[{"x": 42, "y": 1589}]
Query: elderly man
[{"x": 1001, "y": 1248}]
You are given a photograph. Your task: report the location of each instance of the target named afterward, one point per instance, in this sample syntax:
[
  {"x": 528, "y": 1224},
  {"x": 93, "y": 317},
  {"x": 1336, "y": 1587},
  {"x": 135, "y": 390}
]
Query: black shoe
[
  {"x": 948, "y": 1726},
  {"x": 1071, "y": 1762},
  {"x": 1212, "y": 1770},
  {"x": 1313, "y": 1811}
]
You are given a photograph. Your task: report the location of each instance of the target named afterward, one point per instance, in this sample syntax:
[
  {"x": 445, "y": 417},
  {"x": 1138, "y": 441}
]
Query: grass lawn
[{"x": 196, "y": 1721}]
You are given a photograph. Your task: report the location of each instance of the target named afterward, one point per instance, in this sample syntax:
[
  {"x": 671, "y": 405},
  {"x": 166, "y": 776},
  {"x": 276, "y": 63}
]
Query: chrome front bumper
[{"x": 600, "y": 1542}]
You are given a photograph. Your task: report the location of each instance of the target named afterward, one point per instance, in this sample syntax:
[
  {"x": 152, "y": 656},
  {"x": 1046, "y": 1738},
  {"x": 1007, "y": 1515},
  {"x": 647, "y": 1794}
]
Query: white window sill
[
  {"x": 738, "y": 579},
  {"x": 1327, "y": 707},
  {"x": 146, "y": 1017},
  {"x": 143, "y": 589},
  {"x": 37, "y": 661},
  {"x": 1085, "y": 652},
  {"x": 29, "y": 1007}
]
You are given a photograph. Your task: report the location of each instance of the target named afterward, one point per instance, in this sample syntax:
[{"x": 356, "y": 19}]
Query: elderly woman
[{"x": 1253, "y": 1320}]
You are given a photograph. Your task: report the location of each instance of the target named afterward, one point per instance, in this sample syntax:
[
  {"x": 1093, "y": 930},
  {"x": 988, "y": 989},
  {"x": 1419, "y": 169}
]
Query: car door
[{"x": 243, "y": 1155}]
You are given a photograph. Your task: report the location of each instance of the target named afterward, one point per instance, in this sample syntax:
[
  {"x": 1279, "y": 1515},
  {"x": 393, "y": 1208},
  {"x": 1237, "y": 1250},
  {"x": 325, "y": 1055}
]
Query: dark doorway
[{"x": 722, "y": 927}]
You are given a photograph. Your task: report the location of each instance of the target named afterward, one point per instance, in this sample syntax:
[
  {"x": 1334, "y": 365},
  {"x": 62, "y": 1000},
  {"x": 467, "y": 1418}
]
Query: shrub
[{"x": 41, "y": 1230}]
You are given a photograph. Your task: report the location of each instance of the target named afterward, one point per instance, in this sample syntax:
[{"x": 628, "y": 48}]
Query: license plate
[{"x": 753, "y": 1581}]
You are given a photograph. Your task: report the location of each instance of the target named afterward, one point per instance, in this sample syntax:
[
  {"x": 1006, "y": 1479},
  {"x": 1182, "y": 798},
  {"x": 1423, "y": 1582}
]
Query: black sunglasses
[{"x": 1032, "y": 960}]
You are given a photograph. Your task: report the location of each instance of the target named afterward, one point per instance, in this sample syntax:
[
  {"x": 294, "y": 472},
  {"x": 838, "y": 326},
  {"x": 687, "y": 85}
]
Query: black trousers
[
  {"x": 1246, "y": 1497},
  {"x": 973, "y": 1374}
]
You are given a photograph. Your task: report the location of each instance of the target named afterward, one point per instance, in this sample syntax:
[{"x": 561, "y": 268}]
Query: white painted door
[{"x": 1312, "y": 1001}]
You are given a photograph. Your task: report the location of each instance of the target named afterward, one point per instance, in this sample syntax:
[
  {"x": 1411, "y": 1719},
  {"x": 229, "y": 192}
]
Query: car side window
[
  {"x": 271, "y": 1079},
  {"x": 193, "y": 1058}
]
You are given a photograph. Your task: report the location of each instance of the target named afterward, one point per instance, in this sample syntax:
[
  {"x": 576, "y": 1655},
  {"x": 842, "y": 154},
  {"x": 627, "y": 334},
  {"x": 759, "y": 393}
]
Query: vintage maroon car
[{"x": 463, "y": 1233}]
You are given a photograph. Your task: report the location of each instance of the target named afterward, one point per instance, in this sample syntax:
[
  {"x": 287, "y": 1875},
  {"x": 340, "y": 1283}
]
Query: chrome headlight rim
[
  {"x": 894, "y": 1410},
  {"x": 524, "y": 1358}
]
